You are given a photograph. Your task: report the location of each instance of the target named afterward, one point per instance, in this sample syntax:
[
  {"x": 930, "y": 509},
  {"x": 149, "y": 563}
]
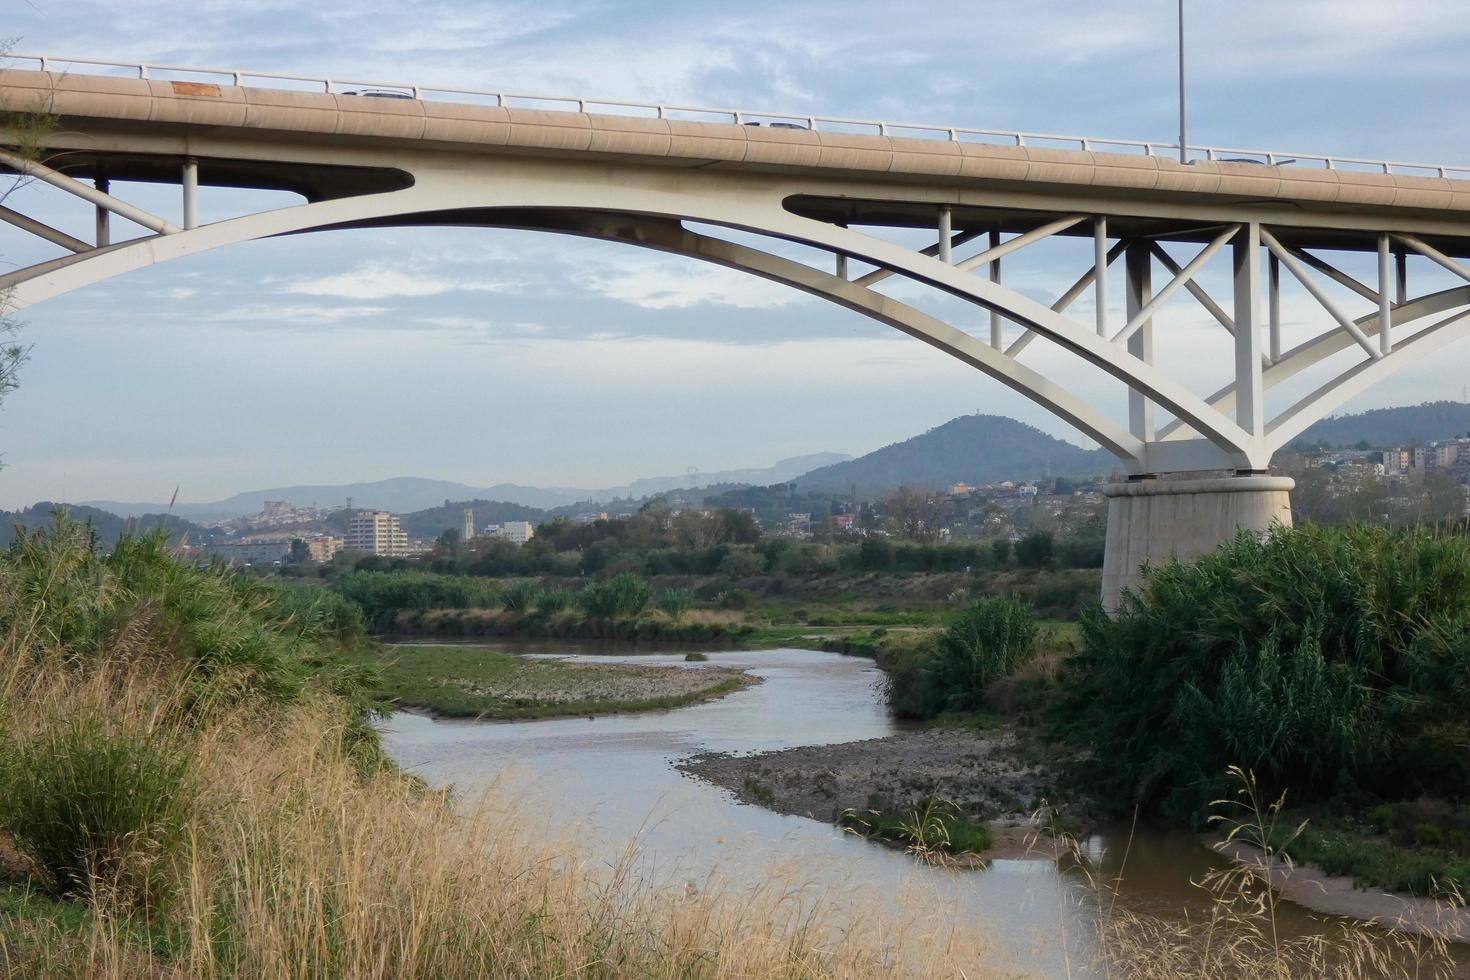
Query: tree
[
  {"x": 300, "y": 554},
  {"x": 1035, "y": 550},
  {"x": 915, "y": 510}
]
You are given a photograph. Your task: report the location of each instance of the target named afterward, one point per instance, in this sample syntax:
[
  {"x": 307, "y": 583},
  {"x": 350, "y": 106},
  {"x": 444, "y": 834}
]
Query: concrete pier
[{"x": 1152, "y": 520}]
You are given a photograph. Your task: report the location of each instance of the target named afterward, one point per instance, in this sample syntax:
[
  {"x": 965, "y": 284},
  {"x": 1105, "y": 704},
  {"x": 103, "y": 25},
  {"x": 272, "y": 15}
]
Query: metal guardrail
[{"x": 502, "y": 97}]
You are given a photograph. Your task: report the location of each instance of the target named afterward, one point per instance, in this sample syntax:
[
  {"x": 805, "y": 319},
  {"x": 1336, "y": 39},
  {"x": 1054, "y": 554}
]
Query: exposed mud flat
[
  {"x": 559, "y": 682},
  {"x": 978, "y": 772}
]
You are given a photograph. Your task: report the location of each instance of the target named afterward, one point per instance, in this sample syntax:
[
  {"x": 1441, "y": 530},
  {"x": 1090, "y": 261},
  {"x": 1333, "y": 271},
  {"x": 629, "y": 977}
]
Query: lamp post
[{"x": 1183, "y": 141}]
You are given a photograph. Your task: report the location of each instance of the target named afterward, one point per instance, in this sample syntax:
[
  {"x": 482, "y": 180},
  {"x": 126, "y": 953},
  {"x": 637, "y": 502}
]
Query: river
[{"x": 611, "y": 779}]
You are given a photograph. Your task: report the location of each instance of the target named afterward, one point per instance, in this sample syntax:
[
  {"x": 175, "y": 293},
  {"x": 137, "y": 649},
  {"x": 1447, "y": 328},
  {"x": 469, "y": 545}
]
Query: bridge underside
[{"x": 1126, "y": 374}]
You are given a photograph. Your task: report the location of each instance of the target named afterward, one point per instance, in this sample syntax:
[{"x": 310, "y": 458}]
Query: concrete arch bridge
[{"x": 360, "y": 155}]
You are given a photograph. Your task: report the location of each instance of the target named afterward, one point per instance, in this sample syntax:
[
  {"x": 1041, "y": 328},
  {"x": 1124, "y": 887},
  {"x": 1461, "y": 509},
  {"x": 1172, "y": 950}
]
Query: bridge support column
[{"x": 1151, "y": 520}]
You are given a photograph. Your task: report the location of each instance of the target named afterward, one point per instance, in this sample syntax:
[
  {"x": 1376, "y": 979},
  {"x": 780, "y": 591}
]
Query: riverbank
[
  {"x": 1312, "y": 888},
  {"x": 477, "y": 682}
]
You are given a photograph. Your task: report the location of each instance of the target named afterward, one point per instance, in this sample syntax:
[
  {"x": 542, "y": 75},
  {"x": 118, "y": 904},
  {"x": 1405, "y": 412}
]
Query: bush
[
  {"x": 94, "y": 804},
  {"x": 735, "y": 599},
  {"x": 553, "y": 601},
  {"x": 675, "y": 602},
  {"x": 521, "y": 598},
  {"x": 235, "y": 633},
  {"x": 1035, "y": 550},
  {"x": 980, "y": 645},
  {"x": 742, "y": 562},
  {"x": 1326, "y": 660},
  {"x": 620, "y": 597},
  {"x": 382, "y": 595},
  {"x": 906, "y": 687}
]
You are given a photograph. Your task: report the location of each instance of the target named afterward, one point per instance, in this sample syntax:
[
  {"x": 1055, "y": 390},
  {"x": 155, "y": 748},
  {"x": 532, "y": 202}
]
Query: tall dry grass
[{"x": 294, "y": 863}]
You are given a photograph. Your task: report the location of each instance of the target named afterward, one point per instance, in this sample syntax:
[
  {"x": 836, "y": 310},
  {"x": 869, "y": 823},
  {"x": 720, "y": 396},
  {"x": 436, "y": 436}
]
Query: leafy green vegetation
[
  {"x": 935, "y": 827},
  {"x": 1331, "y": 661},
  {"x": 90, "y": 800},
  {"x": 476, "y": 682},
  {"x": 382, "y": 595},
  {"x": 926, "y": 677},
  {"x": 620, "y": 597}
]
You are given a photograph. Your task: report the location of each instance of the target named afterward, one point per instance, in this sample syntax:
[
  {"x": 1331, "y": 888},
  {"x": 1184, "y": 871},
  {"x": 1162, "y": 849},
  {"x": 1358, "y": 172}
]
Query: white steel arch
[
  {"x": 650, "y": 212},
  {"x": 68, "y": 273}
]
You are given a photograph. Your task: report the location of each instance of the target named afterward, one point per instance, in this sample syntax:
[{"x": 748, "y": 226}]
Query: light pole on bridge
[{"x": 1183, "y": 142}]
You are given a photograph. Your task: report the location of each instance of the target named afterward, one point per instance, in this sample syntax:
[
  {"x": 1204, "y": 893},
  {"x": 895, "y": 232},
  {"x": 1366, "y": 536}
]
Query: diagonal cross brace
[
  {"x": 1305, "y": 278},
  {"x": 91, "y": 195},
  {"x": 1181, "y": 278}
]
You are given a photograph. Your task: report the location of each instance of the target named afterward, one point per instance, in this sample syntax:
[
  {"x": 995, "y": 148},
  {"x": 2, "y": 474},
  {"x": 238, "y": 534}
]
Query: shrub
[
  {"x": 1323, "y": 659},
  {"x": 553, "y": 601},
  {"x": 980, "y": 645},
  {"x": 675, "y": 602},
  {"x": 622, "y": 596},
  {"x": 906, "y": 687},
  {"x": 742, "y": 562},
  {"x": 735, "y": 599},
  {"x": 521, "y": 597},
  {"x": 95, "y": 804},
  {"x": 1035, "y": 550},
  {"x": 382, "y": 595},
  {"x": 235, "y": 633}
]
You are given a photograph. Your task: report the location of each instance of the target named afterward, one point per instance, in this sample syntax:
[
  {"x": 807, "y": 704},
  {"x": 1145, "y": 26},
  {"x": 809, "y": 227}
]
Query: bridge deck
[{"x": 186, "y": 108}]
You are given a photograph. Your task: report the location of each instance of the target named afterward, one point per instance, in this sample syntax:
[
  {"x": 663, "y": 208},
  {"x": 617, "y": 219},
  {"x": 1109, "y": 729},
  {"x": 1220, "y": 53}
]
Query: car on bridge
[{"x": 379, "y": 93}]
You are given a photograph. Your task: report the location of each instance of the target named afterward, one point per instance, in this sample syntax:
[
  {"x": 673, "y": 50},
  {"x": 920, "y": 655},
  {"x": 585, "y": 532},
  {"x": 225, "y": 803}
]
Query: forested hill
[
  {"x": 109, "y": 527},
  {"x": 1383, "y": 428},
  {"x": 971, "y": 449}
]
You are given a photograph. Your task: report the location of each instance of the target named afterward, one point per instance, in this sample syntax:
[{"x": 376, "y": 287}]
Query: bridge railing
[{"x": 571, "y": 103}]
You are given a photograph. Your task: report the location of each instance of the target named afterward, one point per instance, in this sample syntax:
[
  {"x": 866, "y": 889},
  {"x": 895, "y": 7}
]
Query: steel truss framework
[{"x": 1226, "y": 430}]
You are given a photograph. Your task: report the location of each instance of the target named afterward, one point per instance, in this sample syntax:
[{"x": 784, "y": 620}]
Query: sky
[{"x": 491, "y": 356}]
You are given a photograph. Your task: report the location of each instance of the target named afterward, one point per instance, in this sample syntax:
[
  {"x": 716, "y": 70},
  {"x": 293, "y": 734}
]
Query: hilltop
[
  {"x": 1382, "y": 428},
  {"x": 970, "y": 449}
]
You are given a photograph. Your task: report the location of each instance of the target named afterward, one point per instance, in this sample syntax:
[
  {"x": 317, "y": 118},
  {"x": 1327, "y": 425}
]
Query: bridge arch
[{"x": 647, "y": 221}]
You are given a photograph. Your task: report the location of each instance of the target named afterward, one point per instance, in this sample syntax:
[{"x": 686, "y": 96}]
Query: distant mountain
[
  {"x": 1383, "y": 428},
  {"x": 109, "y": 527},
  {"x": 783, "y": 471},
  {"x": 970, "y": 449},
  {"x": 408, "y": 493}
]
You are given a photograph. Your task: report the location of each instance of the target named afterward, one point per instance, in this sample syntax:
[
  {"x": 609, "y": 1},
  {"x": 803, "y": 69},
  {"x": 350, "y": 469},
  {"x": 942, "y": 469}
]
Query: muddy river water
[{"x": 611, "y": 779}]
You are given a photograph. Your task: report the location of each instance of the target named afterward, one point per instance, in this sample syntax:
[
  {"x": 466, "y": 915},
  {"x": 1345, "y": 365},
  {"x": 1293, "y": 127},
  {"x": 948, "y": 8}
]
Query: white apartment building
[
  {"x": 376, "y": 532},
  {"x": 516, "y": 532}
]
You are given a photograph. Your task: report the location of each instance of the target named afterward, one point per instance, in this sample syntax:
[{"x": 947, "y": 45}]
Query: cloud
[
  {"x": 676, "y": 287},
  {"x": 379, "y": 280},
  {"x": 286, "y": 315}
]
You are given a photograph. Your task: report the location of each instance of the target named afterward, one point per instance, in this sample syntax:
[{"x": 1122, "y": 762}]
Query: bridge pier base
[{"x": 1151, "y": 520}]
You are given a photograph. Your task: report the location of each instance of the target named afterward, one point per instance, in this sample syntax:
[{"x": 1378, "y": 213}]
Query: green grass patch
[
  {"x": 476, "y": 682},
  {"x": 1374, "y": 860},
  {"x": 935, "y": 827},
  {"x": 23, "y": 908}
]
